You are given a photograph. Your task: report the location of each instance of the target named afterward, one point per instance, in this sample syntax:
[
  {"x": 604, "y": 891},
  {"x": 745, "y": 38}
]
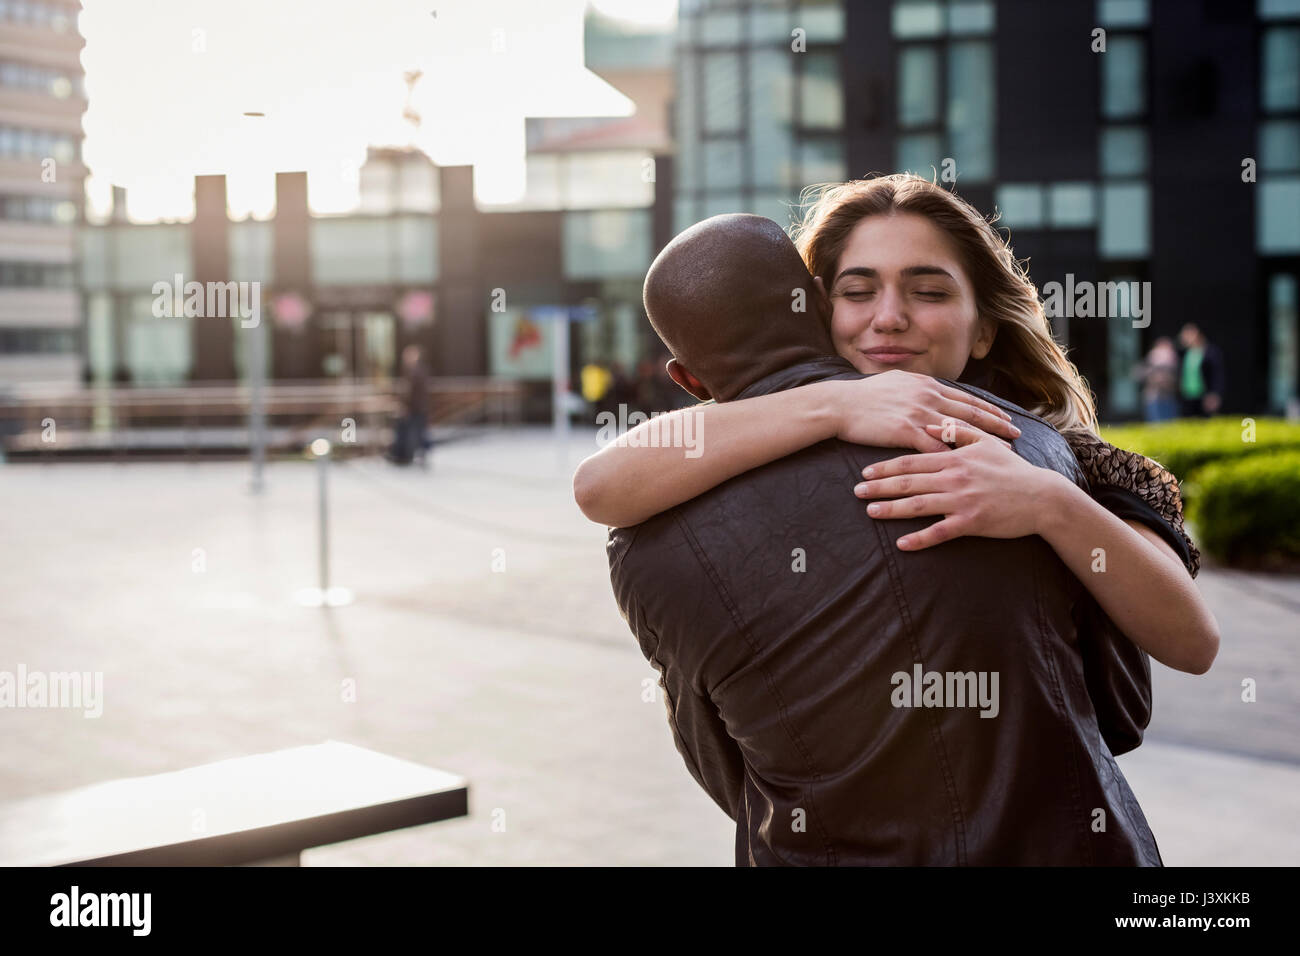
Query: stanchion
[{"x": 324, "y": 595}]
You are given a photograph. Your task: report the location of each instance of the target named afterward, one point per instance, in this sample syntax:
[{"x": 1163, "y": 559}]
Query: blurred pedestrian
[
  {"x": 597, "y": 381},
  {"x": 409, "y": 440},
  {"x": 1202, "y": 380},
  {"x": 1159, "y": 377}
]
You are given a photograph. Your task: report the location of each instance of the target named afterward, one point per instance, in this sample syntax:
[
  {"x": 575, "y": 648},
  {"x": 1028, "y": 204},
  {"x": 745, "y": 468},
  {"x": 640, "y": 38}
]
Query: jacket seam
[
  {"x": 621, "y": 553},
  {"x": 936, "y": 731},
  {"x": 676, "y": 727},
  {"x": 782, "y": 710},
  {"x": 1049, "y": 655}
]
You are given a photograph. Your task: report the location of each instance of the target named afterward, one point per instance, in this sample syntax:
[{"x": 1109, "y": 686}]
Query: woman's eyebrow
[{"x": 910, "y": 271}]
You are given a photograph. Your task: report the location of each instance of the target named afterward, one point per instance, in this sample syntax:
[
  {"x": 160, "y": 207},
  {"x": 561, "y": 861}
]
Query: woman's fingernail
[
  {"x": 860, "y": 490},
  {"x": 904, "y": 543},
  {"x": 868, "y": 472},
  {"x": 873, "y": 509},
  {"x": 1015, "y": 429}
]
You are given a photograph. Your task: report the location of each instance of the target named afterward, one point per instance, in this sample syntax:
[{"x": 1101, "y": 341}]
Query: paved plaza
[{"x": 483, "y": 640}]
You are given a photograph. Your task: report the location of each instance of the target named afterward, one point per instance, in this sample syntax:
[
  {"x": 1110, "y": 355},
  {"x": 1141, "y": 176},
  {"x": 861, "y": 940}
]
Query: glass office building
[{"x": 1108, "y": 157}]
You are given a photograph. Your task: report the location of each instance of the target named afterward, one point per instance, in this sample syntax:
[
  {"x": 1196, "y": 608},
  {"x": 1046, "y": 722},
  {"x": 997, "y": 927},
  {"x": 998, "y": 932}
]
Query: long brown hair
[{"x": 1025, "y": 365}]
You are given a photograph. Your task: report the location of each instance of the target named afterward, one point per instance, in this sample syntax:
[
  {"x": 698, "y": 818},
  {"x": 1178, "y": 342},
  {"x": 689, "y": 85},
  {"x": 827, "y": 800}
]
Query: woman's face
[{"x": 900, "y": 299}]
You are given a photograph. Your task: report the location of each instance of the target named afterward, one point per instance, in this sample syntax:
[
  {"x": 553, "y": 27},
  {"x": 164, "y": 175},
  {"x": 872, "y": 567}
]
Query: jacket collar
[{"x": 802, "y": 373}]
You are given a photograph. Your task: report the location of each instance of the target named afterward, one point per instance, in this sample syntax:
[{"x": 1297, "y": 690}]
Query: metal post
[
  {"x": 256, "y": 355},
  {"x": 560, "y": 392},
  {"x": 256, "y": 408},
  {"x": 323, "y": 595},
  {"x": 322, "y": 472}
]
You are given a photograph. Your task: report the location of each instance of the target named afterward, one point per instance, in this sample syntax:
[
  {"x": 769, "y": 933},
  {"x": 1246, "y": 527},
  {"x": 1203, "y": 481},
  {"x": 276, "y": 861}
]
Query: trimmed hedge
[
  {"x": 1184, "y": 445},
  {"x": 1247, "y": 510}
]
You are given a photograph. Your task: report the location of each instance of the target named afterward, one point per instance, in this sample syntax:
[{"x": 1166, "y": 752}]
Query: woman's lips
[{"x": 889, "y": 356}]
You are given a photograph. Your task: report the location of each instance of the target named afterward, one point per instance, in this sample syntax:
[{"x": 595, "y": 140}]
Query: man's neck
[
  {"x": 812, "y": 368},
  {"x": 747, "y": 370}
]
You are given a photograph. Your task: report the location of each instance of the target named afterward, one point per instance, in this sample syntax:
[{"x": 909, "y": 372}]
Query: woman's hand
[
  {"x": 982, "y": 487},
  {"x": 894, "y": 409}
]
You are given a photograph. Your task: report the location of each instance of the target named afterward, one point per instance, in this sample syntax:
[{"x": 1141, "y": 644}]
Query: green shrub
[
  {"x": 1184, "y": 445},
  {"x": 1247, "y": 510}
]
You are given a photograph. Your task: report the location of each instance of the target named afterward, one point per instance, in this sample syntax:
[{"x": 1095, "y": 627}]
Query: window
[
  {"x": 754, "y": 121},
  {"x": 1123, "y": 77},
  {"x": 822, "y": 19},
  {"x": 722, "y": 164},
  {"x": 821, "y": 161},
  {"x": 1277, "y": 191},
  {"x": 1123, "y": 350},
  {"x": 1279, "y": 146},
  {"x": 1123, "y": 13},
  {"x": 1124, "y": 151},
  {"x": 970, "y": 17},
  {"x": 1277, "y": 214},
  {"x": 1279, "y": 9},
  {"x": 1284, "y": 358},
  {"x": 920, "y": 153},
  {"x": 720, "y": 28},
  {"x": 1280, "y": 66},
  {"x": 918, "y": 86},
  {"x": 970, "y": 108},
  {"x": 771, "y": 82},
  {"x": 606, "y": 243},
  {"x": 916, "y": 19},
  {"x": 1125, "y": 221},
  {"x": 721, "y": 93},
  {"x": 945, "y": 87},
  {"x": 1021, "y": 206},
  {"x": 1071, "y": 206},
  {"x": 820, "y": 97}
]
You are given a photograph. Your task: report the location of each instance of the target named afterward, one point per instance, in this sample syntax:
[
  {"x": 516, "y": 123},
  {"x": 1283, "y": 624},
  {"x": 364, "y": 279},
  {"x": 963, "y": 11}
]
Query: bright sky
[{"x": 169, "y": 80}]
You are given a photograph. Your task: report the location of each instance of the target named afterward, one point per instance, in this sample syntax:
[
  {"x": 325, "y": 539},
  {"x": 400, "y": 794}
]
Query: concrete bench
[{"x": 259, "y": 810}]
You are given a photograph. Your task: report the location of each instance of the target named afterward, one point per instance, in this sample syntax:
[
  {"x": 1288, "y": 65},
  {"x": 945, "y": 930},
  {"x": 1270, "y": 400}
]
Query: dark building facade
[{"x": 1119, "y": 141}]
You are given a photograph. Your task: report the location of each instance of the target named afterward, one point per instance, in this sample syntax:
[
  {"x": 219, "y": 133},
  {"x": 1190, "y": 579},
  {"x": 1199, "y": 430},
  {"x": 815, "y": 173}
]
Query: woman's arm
[
  {"x": 635, "y": 476},
  {"x": 983, "y": 489},
  {"x": 641, "y": 474},
  {"x": 1142, "y": 583}
]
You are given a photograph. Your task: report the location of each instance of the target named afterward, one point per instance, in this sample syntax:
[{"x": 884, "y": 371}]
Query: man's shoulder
[{"x": 1002, "y": 403}]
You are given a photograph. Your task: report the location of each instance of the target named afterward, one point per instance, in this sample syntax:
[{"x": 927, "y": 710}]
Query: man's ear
[
  {"x": 823, "y": 300},
  {"x": 678, "y": 373},
  {"x": 987, "y": 332}
]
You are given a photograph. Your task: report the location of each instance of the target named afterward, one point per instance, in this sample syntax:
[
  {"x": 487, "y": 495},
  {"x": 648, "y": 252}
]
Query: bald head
[{"x": 722, "y": 296}]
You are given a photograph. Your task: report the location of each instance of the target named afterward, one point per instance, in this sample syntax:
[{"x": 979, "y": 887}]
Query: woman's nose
[{"x": 891, "y": 312}]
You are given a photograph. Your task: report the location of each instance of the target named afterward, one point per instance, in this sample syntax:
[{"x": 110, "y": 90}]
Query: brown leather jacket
[{"x": 786, "y": 627}]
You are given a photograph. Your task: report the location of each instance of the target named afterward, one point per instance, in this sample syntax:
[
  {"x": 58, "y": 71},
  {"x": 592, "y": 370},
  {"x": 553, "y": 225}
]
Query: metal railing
[{"x": 46, "y": 420}]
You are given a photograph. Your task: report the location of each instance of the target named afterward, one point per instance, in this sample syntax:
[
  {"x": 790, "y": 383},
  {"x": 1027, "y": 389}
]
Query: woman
[
  {"x": 918, "y": 284},
  {"x": 1159, "y": 378}
]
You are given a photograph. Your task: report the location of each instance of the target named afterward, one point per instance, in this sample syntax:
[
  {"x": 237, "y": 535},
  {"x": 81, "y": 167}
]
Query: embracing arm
[
  {"x": 986, "y": 490},
  {"x": 1142, "y": 584},
  {"x": 638, "y": 476}
]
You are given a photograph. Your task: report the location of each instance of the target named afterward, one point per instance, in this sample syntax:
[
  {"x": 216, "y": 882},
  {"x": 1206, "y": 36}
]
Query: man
[
  {"x": 1201, "y": 383},
  {"x": 780, "y": 617},
  {"x": 409, "y": 441}
]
